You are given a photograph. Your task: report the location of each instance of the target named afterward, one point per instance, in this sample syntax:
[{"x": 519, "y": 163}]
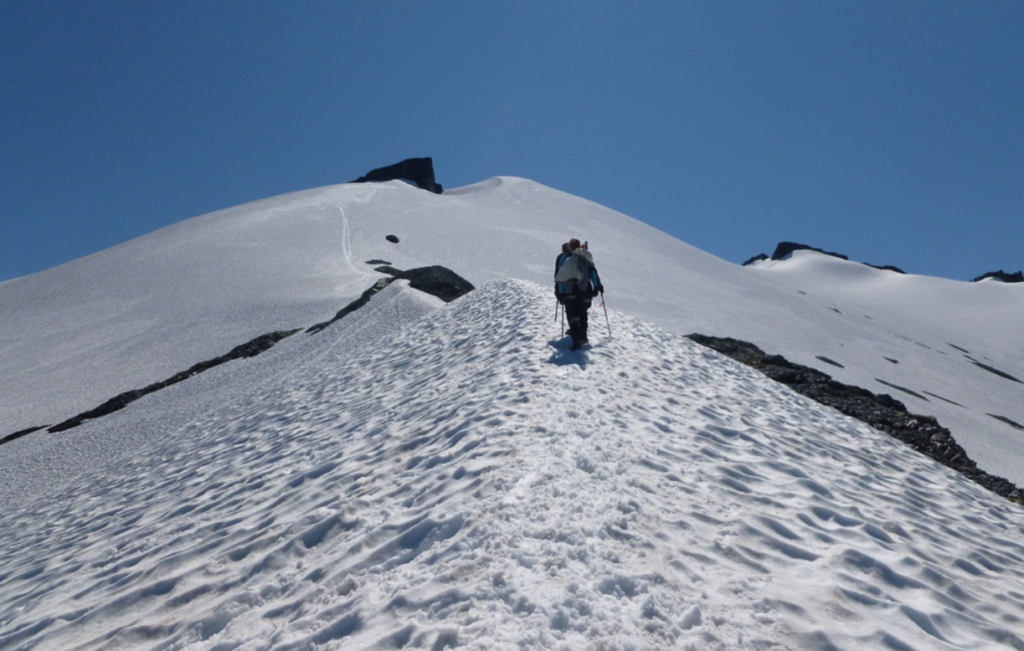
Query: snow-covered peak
[
  {"x": 428, "y": 475},
  {"x": 137, "y": 313}
]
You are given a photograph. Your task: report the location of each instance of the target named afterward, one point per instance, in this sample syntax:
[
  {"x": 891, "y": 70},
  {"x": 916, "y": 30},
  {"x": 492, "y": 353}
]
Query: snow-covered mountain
[{"x": 431, "y": 475}]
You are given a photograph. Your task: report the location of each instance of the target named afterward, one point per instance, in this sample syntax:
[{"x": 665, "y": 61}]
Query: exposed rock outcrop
[
  {"x": 20, "y": 433},
  {"x": 1001, "y": 276},
  {"x": 883, "y": 412},
  {"x": 418, "y": 171},
  {"x": 363, "y": 299},
  {"x": 437, "y": 281},
  {"x": 785, "y": 249},
  {"x": 993, "y": 370},
  {"x": 248, "y": 349},
  {"x": 886, "y": 267}
]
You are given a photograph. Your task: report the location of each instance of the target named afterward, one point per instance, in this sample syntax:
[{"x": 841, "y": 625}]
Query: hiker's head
[{"x": 574, "y": 244}]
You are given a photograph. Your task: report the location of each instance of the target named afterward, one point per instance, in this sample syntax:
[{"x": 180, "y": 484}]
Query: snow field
[
  {"x": 454, "y": 477},
  {"x": 74, "y": 336}
]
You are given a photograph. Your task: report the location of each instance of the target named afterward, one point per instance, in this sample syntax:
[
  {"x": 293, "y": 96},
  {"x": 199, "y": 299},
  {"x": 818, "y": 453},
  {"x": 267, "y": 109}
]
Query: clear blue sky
[{"x": 892, "y": 132}]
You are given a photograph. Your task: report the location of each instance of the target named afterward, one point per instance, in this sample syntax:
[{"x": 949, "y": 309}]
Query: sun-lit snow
[
  {"x": 429, "y": 475},
  {"x": 140, "y": 312}
]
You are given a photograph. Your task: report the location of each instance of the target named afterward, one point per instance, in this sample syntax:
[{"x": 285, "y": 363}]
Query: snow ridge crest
[{"x": 461, "y": 478}]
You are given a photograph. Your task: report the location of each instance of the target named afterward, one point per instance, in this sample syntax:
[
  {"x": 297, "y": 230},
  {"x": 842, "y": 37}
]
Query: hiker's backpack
[{"x": 573, "y": 274}]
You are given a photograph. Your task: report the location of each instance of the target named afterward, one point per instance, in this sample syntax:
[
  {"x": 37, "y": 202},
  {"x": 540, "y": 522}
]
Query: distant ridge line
[{"x": 785, "y": 249}]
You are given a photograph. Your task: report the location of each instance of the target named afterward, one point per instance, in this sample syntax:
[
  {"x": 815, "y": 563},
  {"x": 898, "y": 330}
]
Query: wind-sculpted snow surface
[{"x": 462, "y": 480}]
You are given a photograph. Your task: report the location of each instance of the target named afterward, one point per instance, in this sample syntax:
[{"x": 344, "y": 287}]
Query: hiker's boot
[{"x": 577, "y": 338}]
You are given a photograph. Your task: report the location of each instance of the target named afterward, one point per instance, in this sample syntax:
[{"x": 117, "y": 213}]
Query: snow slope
[
  {"x": 76, "y": 335},
  {"x": 459, "y": 479},
  {"x": 422, "y": 475}
]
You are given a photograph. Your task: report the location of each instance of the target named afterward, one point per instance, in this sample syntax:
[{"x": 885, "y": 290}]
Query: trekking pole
[{"x": 609, "y": 323}]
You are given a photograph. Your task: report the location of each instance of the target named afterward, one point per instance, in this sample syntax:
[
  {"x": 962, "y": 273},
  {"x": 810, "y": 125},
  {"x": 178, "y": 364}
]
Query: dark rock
[
  {"x": 1002, "y": 276},
  {"x": 363, "y": 299},
  {"x": 20, "y": 433},
  {"x": 252, "y": 348},
  {"x": 909, "y": 392},
  {"x": 993, "y": 370},
  {"x": 391, "y": 238},
  {"x": 887, "y": 267},
  {"x": 830, "y": 361},
  {"x": 1008, "y": 421},
  {"x": 418, "y": 171},
  {"x": 935, "y": 395},
  {"x": 249, "y": 349},
  {"x": 389, "y": 270},
  {"x": 376, "y": 261},
  {"x": 883, "y": 412},
  {"x": 438, "y": 281},
  {"x": 757, "y": 258},
  {"x": 784, "y": 249}
]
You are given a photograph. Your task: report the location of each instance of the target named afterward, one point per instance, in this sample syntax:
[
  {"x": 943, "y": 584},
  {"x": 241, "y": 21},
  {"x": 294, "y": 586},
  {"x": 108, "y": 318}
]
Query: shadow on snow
[{"x": 562, "y": 356}]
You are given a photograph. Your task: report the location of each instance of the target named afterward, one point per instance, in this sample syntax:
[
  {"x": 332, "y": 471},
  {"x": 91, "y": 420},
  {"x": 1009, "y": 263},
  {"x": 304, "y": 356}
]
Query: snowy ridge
[
  {"x": 451, "y": 476},
  {"x": 77, "y": 335}
]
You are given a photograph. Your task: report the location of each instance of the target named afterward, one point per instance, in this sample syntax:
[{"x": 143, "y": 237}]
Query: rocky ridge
[
  {"x": 435, "y": 280},
  {"x": 883, "y": 412}
]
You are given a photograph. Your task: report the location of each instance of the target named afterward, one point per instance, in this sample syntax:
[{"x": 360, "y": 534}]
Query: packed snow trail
[{"x": 462, "y": 480}]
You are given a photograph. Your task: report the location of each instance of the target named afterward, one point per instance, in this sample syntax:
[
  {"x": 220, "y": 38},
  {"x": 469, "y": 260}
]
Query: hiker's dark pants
[{"x": 576, "y": 314}]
